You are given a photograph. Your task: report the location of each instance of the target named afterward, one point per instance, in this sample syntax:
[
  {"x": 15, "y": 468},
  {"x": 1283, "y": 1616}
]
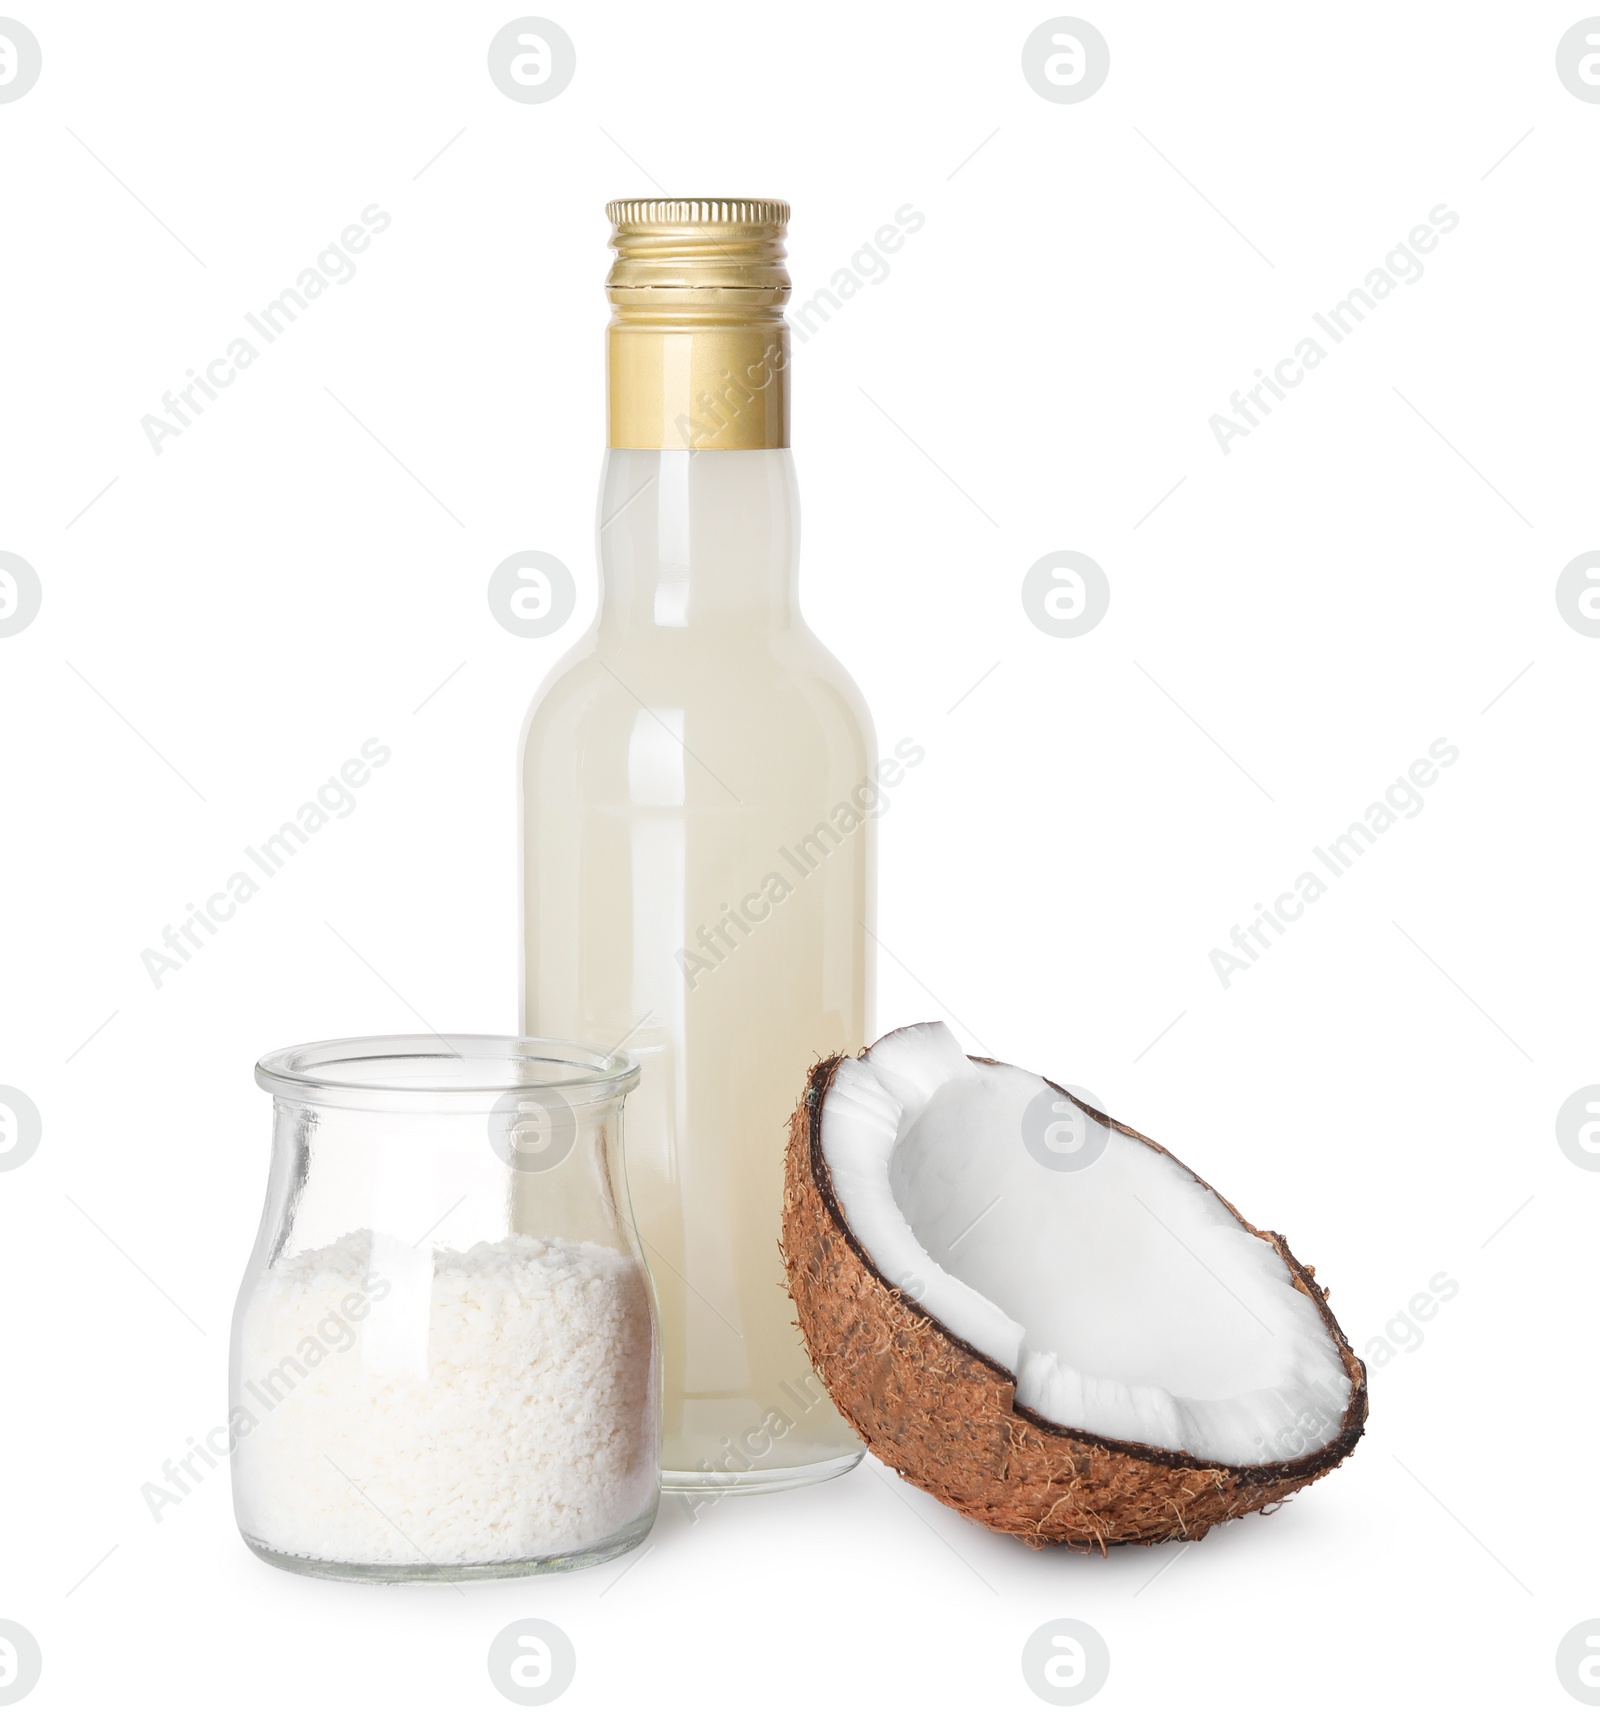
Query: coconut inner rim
[{"x": 1123, "y": 1295}]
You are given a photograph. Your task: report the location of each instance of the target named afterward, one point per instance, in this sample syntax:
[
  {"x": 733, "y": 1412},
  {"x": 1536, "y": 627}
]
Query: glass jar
[{"x": 445, "y": 1361}]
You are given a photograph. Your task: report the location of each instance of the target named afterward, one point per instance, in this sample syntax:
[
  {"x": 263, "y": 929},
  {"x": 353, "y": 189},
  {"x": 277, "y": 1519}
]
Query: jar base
[
  {"x": 450, "y": 1574},
  {"x": 759, "y": 1479}
]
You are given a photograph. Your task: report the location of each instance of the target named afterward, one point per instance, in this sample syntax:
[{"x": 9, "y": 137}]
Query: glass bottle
[
  {"x": 444, "y": 1361},
  {"x": 698, "y": 842}
]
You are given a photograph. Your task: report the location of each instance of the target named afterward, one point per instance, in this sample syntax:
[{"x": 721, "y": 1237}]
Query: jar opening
[{"x": 359, "y": 1070}]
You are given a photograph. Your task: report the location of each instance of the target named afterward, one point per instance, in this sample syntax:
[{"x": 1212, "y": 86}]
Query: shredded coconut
[{"x": 445, "y": 1407}]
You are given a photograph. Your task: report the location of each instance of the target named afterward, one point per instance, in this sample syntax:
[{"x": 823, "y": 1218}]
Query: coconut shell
[{"x": 944, "y": 1416}]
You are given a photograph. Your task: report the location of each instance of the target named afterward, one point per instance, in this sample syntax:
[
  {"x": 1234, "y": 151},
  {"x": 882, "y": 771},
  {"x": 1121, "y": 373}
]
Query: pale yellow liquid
[{"x": 682, "y": 756}]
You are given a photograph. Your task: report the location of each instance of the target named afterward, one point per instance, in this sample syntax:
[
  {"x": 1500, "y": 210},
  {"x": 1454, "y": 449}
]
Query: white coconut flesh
[{"x": 1123, "y": 1296}]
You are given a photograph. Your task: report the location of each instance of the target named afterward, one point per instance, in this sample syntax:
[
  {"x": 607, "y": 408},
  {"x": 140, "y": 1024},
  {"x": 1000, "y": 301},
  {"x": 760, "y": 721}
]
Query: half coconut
[{"x": 1041, "y": 1316}]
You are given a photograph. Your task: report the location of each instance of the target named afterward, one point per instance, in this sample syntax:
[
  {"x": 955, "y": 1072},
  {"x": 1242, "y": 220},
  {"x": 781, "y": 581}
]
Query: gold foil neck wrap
[{"x": 697, "y": 352}]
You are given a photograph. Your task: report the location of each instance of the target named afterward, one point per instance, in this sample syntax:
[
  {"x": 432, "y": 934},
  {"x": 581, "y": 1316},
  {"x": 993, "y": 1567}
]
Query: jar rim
[{"x": 361, "y": 1069}]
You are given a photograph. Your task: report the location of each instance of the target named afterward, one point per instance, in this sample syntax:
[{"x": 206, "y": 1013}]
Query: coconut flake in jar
[{"x": 445, "y": 1407}]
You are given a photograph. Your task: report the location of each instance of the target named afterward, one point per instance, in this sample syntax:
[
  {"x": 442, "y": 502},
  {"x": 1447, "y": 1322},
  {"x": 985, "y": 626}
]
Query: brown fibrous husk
[{"x": 944, "y": 1416}]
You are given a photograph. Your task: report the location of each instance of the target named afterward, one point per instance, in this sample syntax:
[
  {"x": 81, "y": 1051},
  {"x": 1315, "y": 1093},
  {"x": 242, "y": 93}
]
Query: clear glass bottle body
[
  {"x": 444, "y": 1363},
  {"x": 698, "y": 876}
]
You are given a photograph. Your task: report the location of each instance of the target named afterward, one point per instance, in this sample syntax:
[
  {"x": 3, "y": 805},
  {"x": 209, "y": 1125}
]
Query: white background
[{"x": 1288, "y": 630}]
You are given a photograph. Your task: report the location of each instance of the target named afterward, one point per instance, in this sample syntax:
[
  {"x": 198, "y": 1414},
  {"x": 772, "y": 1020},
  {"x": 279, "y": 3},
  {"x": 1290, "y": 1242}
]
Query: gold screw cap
[{"x": 698, "y": 349}]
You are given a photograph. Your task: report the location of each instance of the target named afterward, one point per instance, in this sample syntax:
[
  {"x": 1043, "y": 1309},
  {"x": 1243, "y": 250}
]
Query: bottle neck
[{"x": 704, "y": 539}]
